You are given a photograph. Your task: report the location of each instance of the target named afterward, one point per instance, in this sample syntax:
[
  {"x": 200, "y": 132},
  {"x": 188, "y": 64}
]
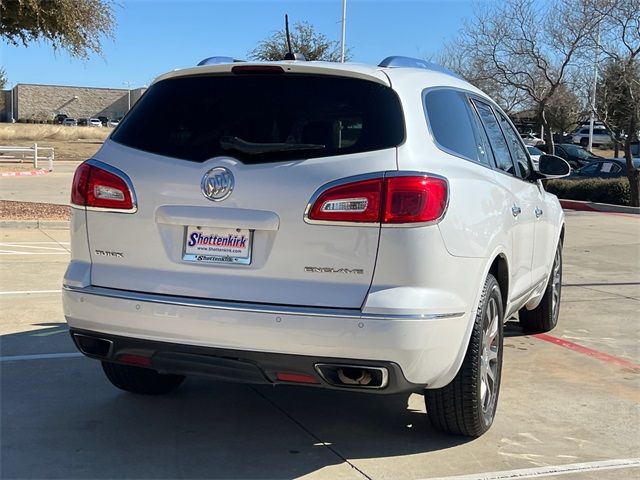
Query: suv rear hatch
[{"x": 281, "y": 136}]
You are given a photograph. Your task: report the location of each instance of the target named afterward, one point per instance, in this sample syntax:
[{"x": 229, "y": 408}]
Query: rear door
[
  {"x": 267, "y": 142},
  {"x": 519, "y": 213}
]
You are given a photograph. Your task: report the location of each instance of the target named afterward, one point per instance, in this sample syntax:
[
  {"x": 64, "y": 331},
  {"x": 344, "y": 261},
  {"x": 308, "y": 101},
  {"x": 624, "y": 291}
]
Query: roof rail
[
  {"x": 410, "y": 62},
  {"x": 217, "y": 60}
]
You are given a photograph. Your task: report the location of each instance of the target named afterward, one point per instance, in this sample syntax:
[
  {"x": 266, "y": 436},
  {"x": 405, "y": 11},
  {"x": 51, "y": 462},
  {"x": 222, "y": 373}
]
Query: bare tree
[
  {"x": 74, "y": 25},
  {"x": 619, "y": 42},
  {"x": 527, "y": 49},
  {"x": 304, "y": 39},
  {"x": 564, "y": 109}
]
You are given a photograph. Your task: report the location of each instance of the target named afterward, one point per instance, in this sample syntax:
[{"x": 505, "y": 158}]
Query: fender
[{"x": 448, "y": 377}]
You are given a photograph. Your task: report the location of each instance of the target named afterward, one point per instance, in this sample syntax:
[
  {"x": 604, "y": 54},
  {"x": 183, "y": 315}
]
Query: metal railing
[{"x": 34, "y": 153}]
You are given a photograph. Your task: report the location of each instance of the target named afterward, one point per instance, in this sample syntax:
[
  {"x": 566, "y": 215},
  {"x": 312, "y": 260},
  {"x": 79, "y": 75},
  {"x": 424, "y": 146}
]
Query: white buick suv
[{"x": 352, "y": 227}]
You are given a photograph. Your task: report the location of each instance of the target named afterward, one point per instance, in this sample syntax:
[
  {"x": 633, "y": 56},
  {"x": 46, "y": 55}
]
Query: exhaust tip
[
  {"x": 353, "y": 376},
  {"x": 93, "y": 346}
]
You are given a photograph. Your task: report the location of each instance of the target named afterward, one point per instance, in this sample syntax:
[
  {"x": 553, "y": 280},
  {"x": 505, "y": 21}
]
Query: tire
[
  {"x": 140, "y": 380},
  {"x": 584, "y": 142},
  {"x": 467, "y": 406},
  {"x": 544, "y": 317}
]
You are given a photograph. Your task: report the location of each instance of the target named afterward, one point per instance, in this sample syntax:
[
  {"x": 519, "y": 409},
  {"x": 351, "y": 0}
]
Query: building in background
[{"x": 41, "y": 103}]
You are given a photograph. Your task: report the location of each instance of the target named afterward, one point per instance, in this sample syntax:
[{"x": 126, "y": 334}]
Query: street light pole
[
  {"x": 128, "y": 84},
  {"x": 344, "y": 30},
  {"x": 11, "y": 91},
  {"x": 592, "y": 117}
]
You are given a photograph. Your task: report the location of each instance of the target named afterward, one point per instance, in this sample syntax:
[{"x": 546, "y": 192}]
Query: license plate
[{"x": 217, "y": 245}]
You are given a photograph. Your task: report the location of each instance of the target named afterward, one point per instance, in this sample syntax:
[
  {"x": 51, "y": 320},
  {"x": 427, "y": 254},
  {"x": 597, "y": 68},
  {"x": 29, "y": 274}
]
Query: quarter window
[{"x": 452, "y": 124}]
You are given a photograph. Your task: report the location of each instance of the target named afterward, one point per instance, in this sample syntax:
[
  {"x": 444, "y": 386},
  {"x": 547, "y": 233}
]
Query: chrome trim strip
[
  {"x": 252, "y": 307},
  {"x": 123, "y": 176}
]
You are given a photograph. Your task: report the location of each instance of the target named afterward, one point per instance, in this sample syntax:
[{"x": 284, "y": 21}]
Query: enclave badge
[{"x": 217, "y": 184}]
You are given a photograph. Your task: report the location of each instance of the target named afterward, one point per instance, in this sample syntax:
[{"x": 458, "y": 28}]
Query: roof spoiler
[
  {"x": 398, "y": 61},
  {"x": 218, "y": 60}
]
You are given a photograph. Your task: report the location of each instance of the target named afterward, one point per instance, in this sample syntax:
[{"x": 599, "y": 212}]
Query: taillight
[
  {"x": 351, "y": 202},
  {"x": 391, "y": 200},
  {"x": 97, "y": 187},
  {"x": 415, "y": 199}
]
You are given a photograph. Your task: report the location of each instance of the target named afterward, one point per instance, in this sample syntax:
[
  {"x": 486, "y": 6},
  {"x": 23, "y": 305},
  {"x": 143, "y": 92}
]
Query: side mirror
[{"x": 550, "y": 166}]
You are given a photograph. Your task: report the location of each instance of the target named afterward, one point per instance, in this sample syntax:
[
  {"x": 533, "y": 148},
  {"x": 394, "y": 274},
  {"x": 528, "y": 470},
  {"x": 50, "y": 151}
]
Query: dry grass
[
  {"x": 34, "y": 133},
  {"x": 69, "y": 143}
]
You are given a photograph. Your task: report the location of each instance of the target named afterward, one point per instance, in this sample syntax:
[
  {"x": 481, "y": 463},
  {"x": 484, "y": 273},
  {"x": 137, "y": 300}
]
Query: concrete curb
[
  {"x": 39, "y": 171},
  {"x": 598, "y": 207},
  {"x": 44, "y": 224}
]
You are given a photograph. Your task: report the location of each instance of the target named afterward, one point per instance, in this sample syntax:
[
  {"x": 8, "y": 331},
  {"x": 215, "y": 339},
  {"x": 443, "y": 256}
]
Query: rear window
[{"x": 263, "y": 118}]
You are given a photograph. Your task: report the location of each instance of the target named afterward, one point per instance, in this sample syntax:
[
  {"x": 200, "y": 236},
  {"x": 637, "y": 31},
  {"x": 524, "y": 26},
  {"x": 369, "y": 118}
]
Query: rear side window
[
  {"x": 263, "y": 118},
  {"x": 499, "y": 145},
  {"x": 452, "y": 125}
]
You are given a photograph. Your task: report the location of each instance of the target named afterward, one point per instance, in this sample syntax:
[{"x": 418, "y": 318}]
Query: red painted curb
[
  {"x": 576, "y": 205},
  {"x": 599, "y": 207},
  {"x": 605, "y": 357},
  {"x": 27, "y": 173}
]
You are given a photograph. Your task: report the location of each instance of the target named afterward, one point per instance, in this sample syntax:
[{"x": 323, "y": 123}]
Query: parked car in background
[
  {"x": 531, "y": 139},
  {"x": 575, "y": 155},
  {"x": 82, "y": 122},
  {"x": 606, "y": 168},
  {"x": 94, "y": 122},
  {"x": 59, "y": 118},
  {"x": 104, "y": 120},
  {"x": 308, "y": 239},
  {"x": 70, "y": 122},
  {"x": 534, "y": 153},
  {"x": 601, "y": 136},
  {"x": 113, "y": 123}
]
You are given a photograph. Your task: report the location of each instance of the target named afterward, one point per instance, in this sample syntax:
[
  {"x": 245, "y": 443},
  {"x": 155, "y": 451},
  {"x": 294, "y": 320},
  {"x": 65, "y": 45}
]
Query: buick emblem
[{"x": 217, "y": 184}]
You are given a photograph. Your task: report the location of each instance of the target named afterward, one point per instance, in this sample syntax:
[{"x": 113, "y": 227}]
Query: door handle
[
  {"x": 516, "y": 210},
  {"x": 539, "y": 212}
]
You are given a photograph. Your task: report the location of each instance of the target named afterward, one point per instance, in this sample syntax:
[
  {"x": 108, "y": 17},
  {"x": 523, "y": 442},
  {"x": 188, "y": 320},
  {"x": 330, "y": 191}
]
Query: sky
[{"x": 155, "y": 36}]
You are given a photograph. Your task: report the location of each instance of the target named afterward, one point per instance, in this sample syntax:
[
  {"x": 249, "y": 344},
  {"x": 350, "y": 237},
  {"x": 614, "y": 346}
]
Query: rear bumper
[
  {"x": 235, "y": 365},
  {"x": 419, "y": 350}
]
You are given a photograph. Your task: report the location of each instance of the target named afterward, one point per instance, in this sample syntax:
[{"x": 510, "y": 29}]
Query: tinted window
[
  {"x": 518, "y": 152},
  {"x": 452, "y": 125},
  {"x": 496, "y": 138},
  {"x": 610, "y": 167},
  {"x": 591, "y": 168},
  {"x": 263, "y": 118}
]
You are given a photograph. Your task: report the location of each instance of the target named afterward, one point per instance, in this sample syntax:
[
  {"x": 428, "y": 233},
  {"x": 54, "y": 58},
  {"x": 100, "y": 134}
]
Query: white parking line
[
  {"x": 11, "y": 252},
  {"x": 27, "y": 248},
  {"x": 41, "y": 356},
  {"x": 555, "y": 470},
  {"x": 29, "y": 292},
  {"x": 35, "y": 243},
  {"x": 39, "y": 247}
]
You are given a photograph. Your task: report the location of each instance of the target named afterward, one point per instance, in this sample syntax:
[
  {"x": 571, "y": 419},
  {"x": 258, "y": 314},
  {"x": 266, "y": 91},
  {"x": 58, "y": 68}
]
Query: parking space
[{"x": 570, "y": 401}]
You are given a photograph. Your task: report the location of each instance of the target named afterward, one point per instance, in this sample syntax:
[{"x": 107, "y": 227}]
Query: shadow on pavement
[{"x": 61, "y": 418}]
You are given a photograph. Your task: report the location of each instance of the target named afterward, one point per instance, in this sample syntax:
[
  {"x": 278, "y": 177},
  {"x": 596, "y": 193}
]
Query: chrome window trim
[
  {"x": 371, "y": 176},
  {"x": 123, "y": 176},
  {"x": 346, "y": 313}
]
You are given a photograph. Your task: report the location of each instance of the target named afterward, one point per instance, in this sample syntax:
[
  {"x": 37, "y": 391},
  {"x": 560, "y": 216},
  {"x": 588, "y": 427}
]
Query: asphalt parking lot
[{"x": 570, "y": 401}]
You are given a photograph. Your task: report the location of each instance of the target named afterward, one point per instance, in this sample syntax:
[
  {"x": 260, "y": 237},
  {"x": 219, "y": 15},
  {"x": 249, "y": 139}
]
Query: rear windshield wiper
[{"x": 235, "y": 143}]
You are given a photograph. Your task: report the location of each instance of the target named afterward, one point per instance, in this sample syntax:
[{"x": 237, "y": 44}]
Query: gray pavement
[
  {"x": 53, "y": 187},
  {"x": 60, "y": 418}
]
